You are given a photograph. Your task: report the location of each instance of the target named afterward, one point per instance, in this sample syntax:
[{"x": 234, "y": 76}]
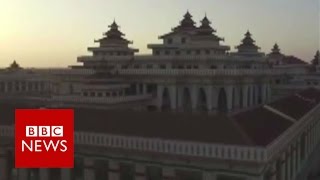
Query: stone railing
[
  {"x": 290, "y": 135},
  {"x": 200, "y": 72},
  {"x": 106, "y": 100},
  {"x": 63, "y": 71},
  {"x": 156, "y": 145},
  {"x": 166, "y": 57}
]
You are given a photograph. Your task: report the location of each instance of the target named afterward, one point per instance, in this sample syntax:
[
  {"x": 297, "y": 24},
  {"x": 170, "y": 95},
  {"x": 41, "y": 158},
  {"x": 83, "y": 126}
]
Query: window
[
  {"x": 156, "y": 52},
  {"x": 195, "y": 67},
  {"x": 167, "y": 52},
  {"x": 177, "y": 52},
  {"x": 188, "y": 52},
  {"x": 180, "y": 67},
  {"x": 162, "y": 66},
  {"x": 136, "y": 66},
  {"x": 183, "y": 40},
  {"x": 207, "y": 51},
  {"x": 99, "y": 94},
  {"x": 85, "y": 94},
  {"x": 198, "y": 52},
  {"x": 124, "y": 67},
  {"x": 213, "y": 67},
  {"x": 169, "y": 41},
  {"x": 149, "y": 66}
]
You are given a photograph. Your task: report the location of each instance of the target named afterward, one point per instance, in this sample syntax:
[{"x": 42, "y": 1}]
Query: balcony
[
  {"x": 201, "y": 72},
  {"x": 100, "y": 100},
  {"x": 149, "y": 57}
]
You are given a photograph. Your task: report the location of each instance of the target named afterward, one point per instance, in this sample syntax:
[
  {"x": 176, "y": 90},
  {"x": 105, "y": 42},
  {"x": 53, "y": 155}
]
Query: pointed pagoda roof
[
  {"x": 205, "y": 26},
  {"x": 113, "y": 34},
  {"x": 205, "y": 29},
  {"x": 316, "y": 59},
  {"x": 186, "y": 23},
  {"x": 248, "y": 42},
  {"x": 14, "y": 65},
  {"x": 275, "y": 49}
]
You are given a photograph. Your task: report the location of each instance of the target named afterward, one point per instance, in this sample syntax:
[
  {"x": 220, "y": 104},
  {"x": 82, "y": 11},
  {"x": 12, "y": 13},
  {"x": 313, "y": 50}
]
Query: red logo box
[{"x": 44, "y": 138}]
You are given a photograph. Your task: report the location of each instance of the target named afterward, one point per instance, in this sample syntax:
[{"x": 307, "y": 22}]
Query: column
[
  {"x": 237, "y": 98},
  {"x": 306, "y": 147},
  {"x": 215, "y": 94},
  {"x": 159, "y": 96},
  {"x": 65, "y": 174},
  {"x": 253, "y": 92},
  {"x": 3, "y": 166},
  {"x": 209, "y": 96},
  {"x": 194, "y": 96},
  {"x": 137, "y": 89},
  {"x": 144, "y": 86},
  {"x": 229, "y": 90},
  {"x": 288, "y": 164},
  {"x": 23, "y": 174},
  {"x": 114, "y": 170},
  {"x": 263, "y": 94},
  {"x": 252, "y": 99},
  {"x": 180, "y": 96},
  {"x": 309, "y": 141},
  {"x": 269, "y": 92},
  {"x": 298, "y": 155},
  {"x": 89, "y": 173},
  {"x": 293, "y": 156},
  {"x": 208, "y": 176},
  {"x": 245, "y": 96},
  {"x": 5, "y": 87},
  {"x": 168, "y": 173},
  {"x": 273, "y": 171},
  {"x": 44, "y": 174},
  {"x": 140, "y": 172},
  {"x": 283, "y": 166},
  {"x": 173, "y": 97}
]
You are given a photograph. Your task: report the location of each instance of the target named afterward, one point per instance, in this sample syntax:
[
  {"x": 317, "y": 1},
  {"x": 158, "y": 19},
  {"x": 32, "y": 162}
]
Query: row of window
[
  {"x": 169, "y": 147},
  {"x": 189, "y": 66},
  {"x": 188, "y": 52},
  {"x": 22, "y": 86},
  {"x": 113, "y": 53},
  {"x": 183, "y": 40},
  {"x": 103, "y": 94}
]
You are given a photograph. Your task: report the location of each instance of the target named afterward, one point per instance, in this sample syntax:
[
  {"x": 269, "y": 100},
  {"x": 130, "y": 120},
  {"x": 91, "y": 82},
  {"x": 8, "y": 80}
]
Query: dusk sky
[{"x": 42, "y": 33}]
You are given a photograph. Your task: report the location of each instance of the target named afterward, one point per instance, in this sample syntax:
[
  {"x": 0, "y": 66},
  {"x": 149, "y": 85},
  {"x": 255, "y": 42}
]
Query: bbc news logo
[
  {"x": 42, "y": 145},
  {"x": 44, "y": 138}
]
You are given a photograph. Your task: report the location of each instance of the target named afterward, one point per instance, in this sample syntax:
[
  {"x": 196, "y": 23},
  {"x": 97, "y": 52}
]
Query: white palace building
[{"x": 191, "y": 110}]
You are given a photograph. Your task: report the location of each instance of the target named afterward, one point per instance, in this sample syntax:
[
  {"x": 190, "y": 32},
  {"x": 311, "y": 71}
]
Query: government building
[{"x": 191, "y": 110}]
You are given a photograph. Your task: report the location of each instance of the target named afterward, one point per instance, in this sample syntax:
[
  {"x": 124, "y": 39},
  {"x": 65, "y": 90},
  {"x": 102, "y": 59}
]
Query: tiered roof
[
  {"x": 247, "y": 43},
  {"x": 114, "y": 35},
  {"x": 275, "y": 49},
  {"x": 205, "y": 29},
  {"x": 14, "y": 66},
  {"x": 316, "y": 60},
  {"x": 186, "y": 24}
]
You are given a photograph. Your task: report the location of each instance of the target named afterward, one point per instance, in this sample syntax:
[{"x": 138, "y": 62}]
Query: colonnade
[{"x": 211, "y": 98}]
